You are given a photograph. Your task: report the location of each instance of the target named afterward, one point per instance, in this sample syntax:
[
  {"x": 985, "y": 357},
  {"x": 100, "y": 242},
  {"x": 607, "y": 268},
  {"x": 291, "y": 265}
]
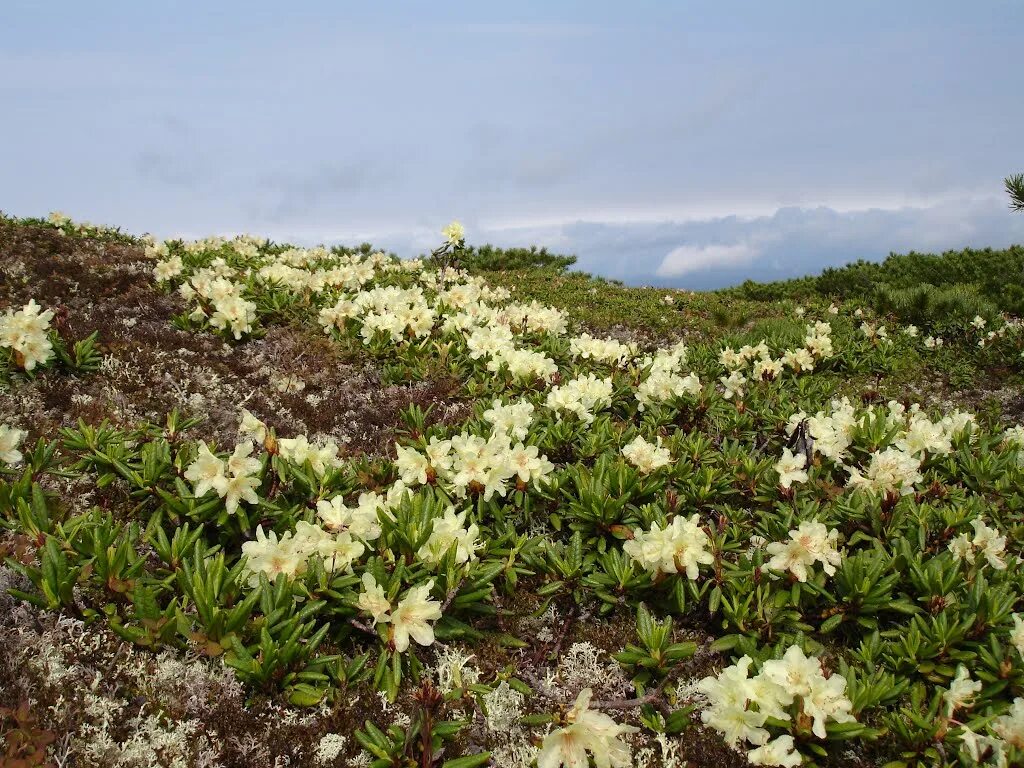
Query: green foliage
[
  {"x": 994, "y": 276},
  {"x": 1015, "y": 189},
  {"x": 941, "y": 310},
  {"x": 488, "y": 258}
]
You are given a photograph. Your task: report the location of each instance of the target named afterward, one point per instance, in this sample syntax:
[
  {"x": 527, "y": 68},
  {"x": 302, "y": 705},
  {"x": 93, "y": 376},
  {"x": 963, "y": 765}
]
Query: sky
[{"x": 673, "y": 143}]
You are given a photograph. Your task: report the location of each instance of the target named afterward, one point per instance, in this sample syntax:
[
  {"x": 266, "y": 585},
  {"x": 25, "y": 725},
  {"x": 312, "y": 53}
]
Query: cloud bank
[
  {"x": 719, "y": 251},
  {"x": 687, "y": 259}
]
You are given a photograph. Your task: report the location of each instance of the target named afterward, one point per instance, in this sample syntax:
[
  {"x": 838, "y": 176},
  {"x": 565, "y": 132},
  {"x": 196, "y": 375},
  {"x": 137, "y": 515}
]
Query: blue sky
[{"x": 691, "y": 144}]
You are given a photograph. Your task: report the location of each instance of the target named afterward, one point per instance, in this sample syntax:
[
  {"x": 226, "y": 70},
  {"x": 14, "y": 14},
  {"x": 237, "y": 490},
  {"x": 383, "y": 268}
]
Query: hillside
[{"x": 264, "y": 505}]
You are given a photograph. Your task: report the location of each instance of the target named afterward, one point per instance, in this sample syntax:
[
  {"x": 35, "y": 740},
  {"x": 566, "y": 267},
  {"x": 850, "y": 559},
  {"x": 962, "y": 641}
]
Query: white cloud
[{"x": 693, "y": 258}]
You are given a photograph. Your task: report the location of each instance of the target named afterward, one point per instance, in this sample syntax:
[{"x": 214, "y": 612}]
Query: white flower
[
  {"x": 780, "y": 751},
  {"x": 439, "y": 455},
  {"x": 891, "y": 470},
  {"x": 733, "y": 384},
  {"x": 25, "y": 333},
  {"x": 362, "y": 521},
  {"x": 645, "y": 456},
  {"x": 338, "y": 551},
  {"x": 661, "y": 386},
  {"x": 449, "y": 530},
  {"x": 608, "y": 351},
  {"x": 205, "y": 472},
  {"x": 234, "y": 480},
  {"x": 923, "y": 436},
  {"x": 1010, "y": 727},
  {"x": 1014, "y": 436},
  {"x": 811, "y": 542},
  {"x": 732, "y": 686},
  {"x": 412, "y": 465},
  {"x": 791, "y": 468},
  {"x": 989, "y": 543},
  {"x": 171, "y": 267},
  {"x": 730, "y": 693},
  {"x": 799, "y": 359},
  {"x": 241, "y": 462},
  {"x": 233, "y": 313},
  {"x": 480, "y": 465},
  {"x": 978, "y": 322},
  {"x": 962, "y": 690},
  {"x": 794, "y": 673},
  {"x": 253, "y": 427},
  {"x": 587, "y": 731},
  {"x": 412, "y": 616},
  {"x": 962, "y": 548},
  {"x": 680, "y": 546},
  {"x": 10, "y": 439},
  {"x": 273, "y": 556},
  {"x": 237, "y": 488},
  {"x": 454, "y": 233},
  {"x": 299, "y": 450},
  {"x": 583, "y": 396},
  {"x": 373, "y": 600},
  {"x": 528, "y": 464},
  {"x": 766, "y": 369},
  {"x": 797, "y": 675},
  {"x": 985, "y": 541},
  {"x": 827, "y": 700},
  {"x": 513, "y": 419}
]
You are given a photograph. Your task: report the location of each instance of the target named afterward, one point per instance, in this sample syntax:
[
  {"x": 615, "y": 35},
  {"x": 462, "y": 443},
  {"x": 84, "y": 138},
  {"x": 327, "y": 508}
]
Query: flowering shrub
[
  {"x": 810, "y": 573},
  {"x": 28, "y": 344}
]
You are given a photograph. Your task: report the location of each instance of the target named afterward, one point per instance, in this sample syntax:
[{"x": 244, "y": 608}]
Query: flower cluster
[
  {"x": 1006, "y": 730},
  {"x": 362, "y": 520},
  {"x": 410, "y": 619},
  {"x": 608, "y": 351},
  {"x": 320, "y": 457},
  {"x": 290, "y": 554},
  {"x": 513, "y": 419},
  {"x": 894, "y": 468},
  {"x": 220, "y": 301},
  {"x": 583, "y": 396},
  {"x": 662, "y": 386},
  {"x": 986, "y": 543},
  {"x": 764, "y": 367},
  {"x": 25, "y": 332},
  {"x": 792, "y": 687},
  {"x": 234, "y": 480},
  {"x": 681, "y": 546},
  {"x": 586, "y": 731},
  {"x": 469, "y": 463},
  {"x": 450, "y": 530},
  {"x": 645, "y": 456},
  {"x": 890, "y": 471},
  {"x": 810, "y": 543}
]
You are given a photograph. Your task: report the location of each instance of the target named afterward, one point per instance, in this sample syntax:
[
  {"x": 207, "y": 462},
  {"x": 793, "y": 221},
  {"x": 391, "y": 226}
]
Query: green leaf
[
  {"x": 469, "y": 761},
  {"x": 831, "y": 623},
  {"x": 303, "y": 695}
]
